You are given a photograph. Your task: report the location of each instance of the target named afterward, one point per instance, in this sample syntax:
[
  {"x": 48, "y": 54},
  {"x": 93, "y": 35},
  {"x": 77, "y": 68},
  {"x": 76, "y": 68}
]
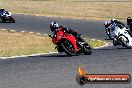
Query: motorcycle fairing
[
  {"x": 72, "y": 39},
  {"x": 123, "y": 31}
]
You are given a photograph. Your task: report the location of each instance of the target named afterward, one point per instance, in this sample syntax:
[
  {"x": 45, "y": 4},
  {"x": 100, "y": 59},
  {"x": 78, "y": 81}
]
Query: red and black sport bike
[{"x": 70, "y": 44}]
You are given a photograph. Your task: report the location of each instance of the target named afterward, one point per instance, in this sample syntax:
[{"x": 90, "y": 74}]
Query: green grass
[{"x": 16, "y": 43}]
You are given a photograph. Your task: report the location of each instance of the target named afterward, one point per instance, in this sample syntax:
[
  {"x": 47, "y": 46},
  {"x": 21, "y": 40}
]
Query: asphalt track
[{"x": 59, "y": 70}]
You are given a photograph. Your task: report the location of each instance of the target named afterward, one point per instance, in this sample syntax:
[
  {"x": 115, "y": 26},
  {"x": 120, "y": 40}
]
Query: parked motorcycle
[
  {"x": 7, "y": 17},
  {"x": 122, "y": 37},
  {"x": 69, "y": 44}
]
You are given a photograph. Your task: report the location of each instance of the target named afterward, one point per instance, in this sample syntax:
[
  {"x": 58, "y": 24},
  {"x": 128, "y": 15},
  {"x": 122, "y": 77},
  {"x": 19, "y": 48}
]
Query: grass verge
[
  {"x": 84, "y": 9},
  {"x": 17, "y": 43}
]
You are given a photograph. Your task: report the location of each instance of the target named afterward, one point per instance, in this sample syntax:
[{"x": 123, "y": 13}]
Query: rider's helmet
[
  {"x": 129, "y": 20},
  {"x": 53, "y": 26},
  {"x": 2, "y": 9},
  {"x": 107, "y": 24}
]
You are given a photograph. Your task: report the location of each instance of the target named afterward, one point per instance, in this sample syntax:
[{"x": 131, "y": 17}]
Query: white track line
[{"x": 39, "y": 54}]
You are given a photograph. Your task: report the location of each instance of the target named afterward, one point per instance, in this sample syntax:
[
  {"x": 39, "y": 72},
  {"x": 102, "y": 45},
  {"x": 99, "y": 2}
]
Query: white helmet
[
  {"x": 113, "y": 20},
  {"x": 107, "y": 24}
]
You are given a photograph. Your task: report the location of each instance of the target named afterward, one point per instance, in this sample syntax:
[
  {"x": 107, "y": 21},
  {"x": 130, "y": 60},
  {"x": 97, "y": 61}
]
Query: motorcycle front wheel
[
  {"x": 12, "y": 20},
  {"x": 68, "y": 48},
  {"x": 124, "y": 41}
]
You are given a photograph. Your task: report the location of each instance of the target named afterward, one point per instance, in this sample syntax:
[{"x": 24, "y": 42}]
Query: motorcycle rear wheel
[
  {"x": 86, "y": 48},
  {"x": 13, "y": 21}
]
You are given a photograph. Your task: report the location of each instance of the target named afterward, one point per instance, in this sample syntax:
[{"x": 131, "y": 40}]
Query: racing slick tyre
[
  {"x": 13, "y": 21},
  {"x": 68, "y": 48},
  {"x": 86, "y": 48},
  {"x": 124, "y": 41}
]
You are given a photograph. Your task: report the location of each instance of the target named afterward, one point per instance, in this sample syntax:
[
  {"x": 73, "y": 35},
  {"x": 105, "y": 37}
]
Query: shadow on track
[
  {"x": 121, "y": 48},
  {"x": 5, "y": 22},
  {"x": 51, "y": 55},
  {"x": 65, "y": 55}
]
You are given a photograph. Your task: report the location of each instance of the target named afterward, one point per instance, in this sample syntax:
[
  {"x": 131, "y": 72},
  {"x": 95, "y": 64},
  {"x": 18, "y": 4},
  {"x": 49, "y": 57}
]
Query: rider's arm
[
  {"x": 67, "y": 30},
  {"x": 118, "y": 22},
  {"x": 70, "y": 31}
]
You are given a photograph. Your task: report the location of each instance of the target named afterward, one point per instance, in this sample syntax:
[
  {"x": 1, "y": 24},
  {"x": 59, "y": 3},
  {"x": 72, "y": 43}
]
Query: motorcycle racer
[
  {"x": 68, "y": 40},
  {"x": 6, "y": 16},
  {"x": 3, "y": 12},
  {"x": 111, "y": 24},
  {"x": 54, "y": 27},
  {"x": 114, "y": 22},
  {"x": 118, "y": 23},
  {"x": 107, "y": 26}
]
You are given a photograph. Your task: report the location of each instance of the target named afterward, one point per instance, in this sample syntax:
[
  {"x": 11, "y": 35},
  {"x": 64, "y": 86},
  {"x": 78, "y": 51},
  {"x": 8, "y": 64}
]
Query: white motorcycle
[
  {"x": 109, "y": 32},
  {"x": 7, "y": 17},
  {"x": 121, "y": 37}
]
